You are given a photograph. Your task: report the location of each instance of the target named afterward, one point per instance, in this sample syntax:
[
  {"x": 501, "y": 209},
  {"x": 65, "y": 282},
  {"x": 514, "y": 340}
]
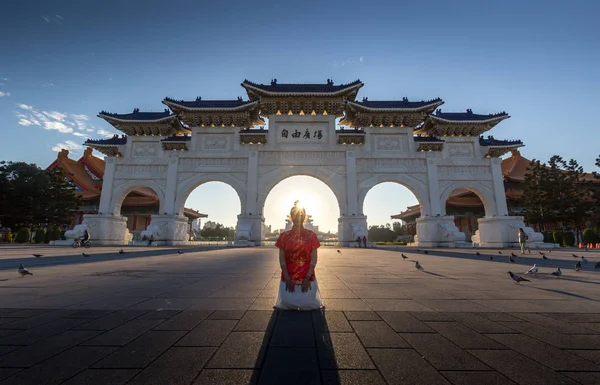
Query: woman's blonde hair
[{"x": 297, "y": 213}]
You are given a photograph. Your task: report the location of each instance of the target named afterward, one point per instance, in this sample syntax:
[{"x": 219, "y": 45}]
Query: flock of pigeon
[{"x": 23, "y": 271}]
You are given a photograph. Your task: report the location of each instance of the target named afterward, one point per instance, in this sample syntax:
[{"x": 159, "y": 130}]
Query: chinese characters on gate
[{"x": 316, "y": 134}]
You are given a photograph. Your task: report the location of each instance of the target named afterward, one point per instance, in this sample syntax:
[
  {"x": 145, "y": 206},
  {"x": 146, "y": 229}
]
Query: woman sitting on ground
[{"x": 298, "y": 289}]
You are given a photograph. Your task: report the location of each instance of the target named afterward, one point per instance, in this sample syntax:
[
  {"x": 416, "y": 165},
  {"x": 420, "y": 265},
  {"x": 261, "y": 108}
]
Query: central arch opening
[
  {"x": 392, "y": 210},
  {"x": 315, "y": 196}
]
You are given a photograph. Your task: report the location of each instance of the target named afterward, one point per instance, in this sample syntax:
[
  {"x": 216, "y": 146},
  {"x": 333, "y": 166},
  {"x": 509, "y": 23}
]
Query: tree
[
  {"x": 381, "y": 233},
  {"x": 61, "y": 199}
]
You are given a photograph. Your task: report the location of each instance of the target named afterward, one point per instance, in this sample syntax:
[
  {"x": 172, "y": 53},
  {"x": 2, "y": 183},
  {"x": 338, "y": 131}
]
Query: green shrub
[
  {"x": 548, "y": 237},
  {"x": 557, "y": 237},
  {"x": 6, "y": 237},
  {"x": 49, "y": 234},
  {"x": 569, "y": 238},
  {"x": 57, "y": 234},
  {"x": 589, "y": 236},
  {"x": 23, "y": 236},
  {"x": 40, "y": 235},
  {"x": 62, "y": 234}
]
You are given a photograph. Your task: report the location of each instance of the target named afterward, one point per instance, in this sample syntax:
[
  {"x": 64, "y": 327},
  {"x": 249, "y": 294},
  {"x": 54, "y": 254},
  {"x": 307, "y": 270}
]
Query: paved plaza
[{"x": 153, "y": 316}]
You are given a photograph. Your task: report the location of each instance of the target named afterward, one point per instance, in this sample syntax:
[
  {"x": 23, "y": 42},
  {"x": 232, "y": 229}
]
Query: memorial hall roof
[
  {"x": 138, "y": 116},
  {"x": 210, "y": 104},
  {"x": 468, "y": 116},
  {"x": 490, "y": 141},
  {"x": 428, "y": 139},
  {"x": 177, "y": 138},
  {"x": 329, "y": 88},
  {"x": 116, "y": 140},
  {"x": 404, "y": 104}
]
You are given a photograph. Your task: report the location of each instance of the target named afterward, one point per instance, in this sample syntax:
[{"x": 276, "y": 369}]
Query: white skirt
[{"x": 311, "y": 300}]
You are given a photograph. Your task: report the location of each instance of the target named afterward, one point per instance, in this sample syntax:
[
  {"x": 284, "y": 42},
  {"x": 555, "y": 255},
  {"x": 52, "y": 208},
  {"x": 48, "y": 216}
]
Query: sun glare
[{"x": 309, "y": 202}]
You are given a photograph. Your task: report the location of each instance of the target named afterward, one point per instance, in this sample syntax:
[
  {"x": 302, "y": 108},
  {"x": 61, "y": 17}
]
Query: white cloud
[
  {"x": 3, "y": 79},
  {"x": 25, "y": 122},
  {"x": 58, "y": 126},
  {"x": 25, "y": 107},
  {"x": 90, "y": 130},
  {"x": 60, "y": 17},
  {"x": 4, "y": 94},
  {"x": 79, "y": 134},
  {"x": 67, "y": 145},
  {"x": 80, "y": 117},
  {"x": 360, "y": 59},
  {"x": 48, "y": 85},
  {"x": 55, "y": 115},
  {"x": 46, "y": 18},
  {"x": 104, "y": 133}
]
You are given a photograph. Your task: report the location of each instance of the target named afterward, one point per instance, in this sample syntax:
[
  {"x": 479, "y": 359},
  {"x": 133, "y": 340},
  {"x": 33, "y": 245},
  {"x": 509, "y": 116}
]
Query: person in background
[
  {"x": 522, "y": 238},
  {"x": 86, "y": 236},
  {"x": 358, "y": 241},
  {"x": 298, "y": 289},
  {"x": 364, "y": 240}
]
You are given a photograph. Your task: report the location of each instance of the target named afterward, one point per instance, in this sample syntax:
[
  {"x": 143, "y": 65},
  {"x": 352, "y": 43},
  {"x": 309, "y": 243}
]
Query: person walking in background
[
  {"x": 522, "y": 238},
  {"x": 364, "y": 240},
  {"x": 358, "y": 241},
  {"x": 298, "y": 289}
]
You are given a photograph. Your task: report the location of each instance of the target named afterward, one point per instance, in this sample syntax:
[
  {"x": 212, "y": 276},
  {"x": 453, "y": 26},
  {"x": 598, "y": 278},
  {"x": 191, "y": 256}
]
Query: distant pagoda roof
[
  {"x": 497, "y": 148},
  {"x": 145, "y": 123},
  {"x": 214, "y": 113},
  {"x": 459, "y": 123},
  {"x": 176, "y": 143},
  {"x": 255, "y": 90},
  {"x": 428, "y": 143},
  {"x": 388, "y": 113},
  {"x": 108, "y": 147}
]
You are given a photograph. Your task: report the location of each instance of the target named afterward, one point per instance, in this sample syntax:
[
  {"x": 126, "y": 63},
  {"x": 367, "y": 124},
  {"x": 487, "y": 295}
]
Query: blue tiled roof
[
  {"x": 490, "y": 141},
  {"x": 253, "y": 131},
  {"x": 349, "y": 131},
  {"x": 114, "y": 141},
  {"x": 177, "y": 138},
  {"x": 137, "y": 115},
  {"x": 467, "y": 116},
  {"x": 428, "y": 139},
  {"x": 301, "y": 88},
  {"x": 391, "y": 104},
  {"x": 199, "y": 103}
]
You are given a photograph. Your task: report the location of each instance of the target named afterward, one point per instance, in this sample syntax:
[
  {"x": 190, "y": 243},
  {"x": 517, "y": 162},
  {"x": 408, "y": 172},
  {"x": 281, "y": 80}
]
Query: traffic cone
[{"x": 580, "y": 245}]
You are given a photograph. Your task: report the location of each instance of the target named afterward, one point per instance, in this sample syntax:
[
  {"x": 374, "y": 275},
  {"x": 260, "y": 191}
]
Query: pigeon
[
  {"x": 425, "y": 251},
  {"x": 597, "y": 265},
  {"x": 511, "y": 260},
  {"x": 339, "y": 251},
  {"x": 85, "y": 255},
  {"x": 584, "y": 259},
  {"x": 512, "y": 255},
  {"x": 23, "y": 271},
  {"x": 575, "y": 256},
  {"x": 418, "y": 266},
  {"x": 517, "y": 278},
  {"x": 121, "y": 251},
  {"x": 179, "y": 252},
  {"x": 499, "y": 252},
  {"x": 529, "y": 251},
  {"x": 540, "y": 253},
  {"x": 418, "y": 250},
  {"x": 37, "y": 255},
  {"x": 578, "y": 266},
  {"x": 491, "y": 257},
  {"x": 533, "y": 270},
  {"x": 403, "y": 256},
  {"x": 477, "y": 252},
  {"x": 544, "y": 257},
  {"x": 557, "y": 272}
]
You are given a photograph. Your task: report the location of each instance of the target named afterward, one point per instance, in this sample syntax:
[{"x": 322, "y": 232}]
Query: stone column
[
  {"x": 434, "y": 189},
  {"x": 171, "y": 189},
  {"x": 252, "y": 192},
  {"x": 498, "y": 186},
  {"x": 168, "y": 230},
  {"x": 351, "y": 185},
  {"x": 107, "y": 186}
]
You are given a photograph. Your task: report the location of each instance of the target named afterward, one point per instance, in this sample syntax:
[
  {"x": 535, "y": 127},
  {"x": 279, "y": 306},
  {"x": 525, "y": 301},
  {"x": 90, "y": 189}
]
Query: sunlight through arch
[{"x": 387, "y": 199}]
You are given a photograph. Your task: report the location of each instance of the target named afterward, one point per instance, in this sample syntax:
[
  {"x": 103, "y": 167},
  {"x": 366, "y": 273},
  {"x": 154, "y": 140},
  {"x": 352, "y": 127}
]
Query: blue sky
[{"x": 61, "y": 62}]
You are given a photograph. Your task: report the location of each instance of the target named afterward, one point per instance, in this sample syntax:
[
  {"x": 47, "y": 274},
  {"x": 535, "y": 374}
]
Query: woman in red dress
[{"x": 298, "y": 289}]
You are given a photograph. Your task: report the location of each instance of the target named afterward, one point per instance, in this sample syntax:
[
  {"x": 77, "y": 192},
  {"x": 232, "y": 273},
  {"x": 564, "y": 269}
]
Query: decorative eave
[
  {"x": 253, "y": 136},
  {"x": 176, "y": 143},
  {"x": 145, "y": 123},
  {"x": 352, "y": 137},
  {"x": 217, "y": 113},
  {"x": 459, "y": 123},
  {"x": 388, "y": 113},
  {"x": 302, "y": 99},
  {"x": 428, "y": 143},
  {"x": 496, "y": 148},
  {"x": 108, "y": 147}
]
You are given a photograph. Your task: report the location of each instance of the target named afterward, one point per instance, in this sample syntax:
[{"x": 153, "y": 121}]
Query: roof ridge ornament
[
  {"x": 136, "y": 110},
  {"x": 273, "y": 82},
  {"x": 198, "y": 98},
  {"x": 329, "y": 82}
]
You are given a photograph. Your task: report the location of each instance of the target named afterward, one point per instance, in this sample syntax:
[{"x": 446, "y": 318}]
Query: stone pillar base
[
  {"x": 438, "y": 232},
  {"x": 250, "y": 230},
  {"x": 350, "y": 227},
  {"x": 502, "y": 232},
  {"x": 169, "y": 230},
  {"x": 107, "y": 229}
]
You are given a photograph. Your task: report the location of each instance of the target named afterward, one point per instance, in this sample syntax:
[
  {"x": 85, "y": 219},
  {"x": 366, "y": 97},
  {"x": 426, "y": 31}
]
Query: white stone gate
[{"x": 195, "y": 142}]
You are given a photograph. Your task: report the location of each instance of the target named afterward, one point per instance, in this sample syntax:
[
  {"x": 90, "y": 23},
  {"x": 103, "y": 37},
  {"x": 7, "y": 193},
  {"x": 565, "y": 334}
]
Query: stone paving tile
[
  {"x": 37, "y": 319},
  {"x": 545, "y": 354},
  {"x": 186, "y": 320},
  {"x": 9, "y": 332},
  {"x": 7, "y": 349},
  {"x": 109, "y": 302},
  {"x": 352, "y": 377},
  {"x": 573, "y": 317},
  {"x": 227, "y": 377},
  {"x": 257, "y": 321},
  {"x": 60, "y": 367},
  {"x": 30, "y": 355},
  {"x": 592, "y": 326},
  {"x": 337, "y": 293},
  {"x": 8, "y": 320},
  {"x": 342, "y": 351},
  {"x": 90, "y": 313},
  {"x": 378, "y": 334},
  {"x": 590, "y": 355},
  {"x": 239, "y": 304},
  {"x": 177, "y": 366},
  {"x": 551, "y": 323},
  {"x": 404, "y": 322},
  {"x": 227, "y": 314},
  {"x": 8, "y": 372},
  {"x": 242, "y": 350},
  {"x": 456, "y": 305},
  {"x": 332, "y": 321},
  {"x": 235, "y": 293},
  {"x": 441, "y": 353},
  {"x": 405, "y": 366},
  {"x": 479, "y": 324},
  {"x": 292, "y": 366},
  {"x": 463, "y": 336},
  {"x": 111, "y": 321},
  {"x": 208, "y": 333},
  {"x": 430, "y": 316},
  {"x": 125, "y": 333},
  {"x": 499, "y": 317},
  {"x": 164, "y": 304},
  {"x": 559, "y": 340},
  {"x": 263, "y": 304},
  {"x": 394, "y": 305},
  {"x": 584, "y": 377},
  {"x": 141, "y": 351},
  {"x": 160, "y": 314},
  {"x": 30, "y": 336},
  {"x": 346, "y": 304},
  {"x": 476, "y": 378},
  {"x": 362, "y": 316},
  {"x": 26, "y": 313},
  {"x": 293, "y": 332},
  {"x": 102, "y": 377},
  {"x": 520, "y": 369}
]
